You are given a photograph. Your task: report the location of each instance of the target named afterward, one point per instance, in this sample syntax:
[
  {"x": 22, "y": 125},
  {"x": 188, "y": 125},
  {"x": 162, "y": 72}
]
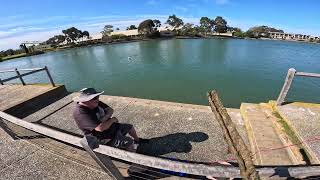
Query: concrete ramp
[
  {"x": 304, "y": 119},
  {"x": 263, "y": 137}
]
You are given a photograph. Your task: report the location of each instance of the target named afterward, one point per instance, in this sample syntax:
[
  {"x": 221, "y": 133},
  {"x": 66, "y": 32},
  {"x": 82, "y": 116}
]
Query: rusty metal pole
[{"x": 20, "y": 77}]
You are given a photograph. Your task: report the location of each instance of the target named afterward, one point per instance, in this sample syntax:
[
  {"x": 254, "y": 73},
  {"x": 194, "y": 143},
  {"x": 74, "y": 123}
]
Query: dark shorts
[{"x": 117, "y": 133}]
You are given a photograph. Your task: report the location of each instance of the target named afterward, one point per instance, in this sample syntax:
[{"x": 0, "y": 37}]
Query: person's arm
[
  {"x": 107, "y": 109},
  {"x": 105, "y": 124}
]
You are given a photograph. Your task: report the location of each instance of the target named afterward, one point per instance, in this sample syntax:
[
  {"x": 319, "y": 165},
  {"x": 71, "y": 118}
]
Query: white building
[{"x": 290, "y": 36}]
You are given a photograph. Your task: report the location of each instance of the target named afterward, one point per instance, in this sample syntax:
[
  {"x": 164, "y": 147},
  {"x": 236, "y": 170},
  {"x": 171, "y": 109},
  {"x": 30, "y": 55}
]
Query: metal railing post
[
  {"x": 19, "y": 75},
  {"x": 89, "y": 143},
  {"x": 49, "y": 75},
  {"x": 286, "y": 86}
]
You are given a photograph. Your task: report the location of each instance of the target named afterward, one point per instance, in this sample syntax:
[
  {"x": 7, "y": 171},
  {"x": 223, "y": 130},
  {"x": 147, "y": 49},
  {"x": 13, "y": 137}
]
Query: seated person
[{"x": 94, "y": 117}]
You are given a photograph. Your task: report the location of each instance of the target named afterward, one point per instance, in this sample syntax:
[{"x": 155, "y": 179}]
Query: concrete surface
[
  {"x": 12, "y": 95},
  {"x": 263, "y": 137},
  {"x": 22, "y": 160},
  {"x": 304, "y": 119},
  {"x": 178, "y": 131},
  {"x": 20, "y": 101},
  {"x": 181, "y": 131}
]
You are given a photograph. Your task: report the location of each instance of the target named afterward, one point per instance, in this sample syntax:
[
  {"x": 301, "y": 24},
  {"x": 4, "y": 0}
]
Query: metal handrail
[
  {"x": 287, "y": 83},
  {"x": 19, "y": 75},
  {"x": 160, "y": 163}
]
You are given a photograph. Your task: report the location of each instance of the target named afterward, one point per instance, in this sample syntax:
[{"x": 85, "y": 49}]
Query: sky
[{"x": 38, "y": 20}]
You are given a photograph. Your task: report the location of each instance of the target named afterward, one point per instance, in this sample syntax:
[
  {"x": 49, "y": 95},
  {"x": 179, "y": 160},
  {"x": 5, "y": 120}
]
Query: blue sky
[{"x": 26, "y": 20}]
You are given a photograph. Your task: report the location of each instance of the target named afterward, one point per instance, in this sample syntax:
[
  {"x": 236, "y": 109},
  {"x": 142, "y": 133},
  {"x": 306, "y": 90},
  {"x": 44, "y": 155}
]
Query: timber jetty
[{"x": 40, "y": 140}]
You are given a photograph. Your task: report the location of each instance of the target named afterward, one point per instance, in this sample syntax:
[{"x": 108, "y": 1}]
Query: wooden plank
[{"x": 234, "y": 140}]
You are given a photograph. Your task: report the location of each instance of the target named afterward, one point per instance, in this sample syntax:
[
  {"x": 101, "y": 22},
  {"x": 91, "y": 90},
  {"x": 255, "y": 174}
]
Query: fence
[
  {"x": 19, "y": 75},
  {"x": 287, "y": 84}
]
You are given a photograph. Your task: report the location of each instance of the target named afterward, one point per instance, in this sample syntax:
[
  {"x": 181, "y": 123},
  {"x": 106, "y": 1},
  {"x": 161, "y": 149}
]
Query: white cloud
[
  {"x": 11, "y": 35},
  {"x": 13, "y": 42}
]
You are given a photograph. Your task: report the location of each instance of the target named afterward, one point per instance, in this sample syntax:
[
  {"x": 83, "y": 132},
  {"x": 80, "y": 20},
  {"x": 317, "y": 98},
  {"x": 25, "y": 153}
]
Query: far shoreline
[{"x": 141, "y": 40}]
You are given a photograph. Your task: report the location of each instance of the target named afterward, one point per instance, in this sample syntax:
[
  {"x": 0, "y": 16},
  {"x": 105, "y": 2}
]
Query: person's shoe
[{"x": 142, "y": 140}]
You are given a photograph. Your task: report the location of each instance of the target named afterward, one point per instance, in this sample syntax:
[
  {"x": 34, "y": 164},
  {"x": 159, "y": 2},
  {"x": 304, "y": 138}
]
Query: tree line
[{"x": 150, "y": 28}]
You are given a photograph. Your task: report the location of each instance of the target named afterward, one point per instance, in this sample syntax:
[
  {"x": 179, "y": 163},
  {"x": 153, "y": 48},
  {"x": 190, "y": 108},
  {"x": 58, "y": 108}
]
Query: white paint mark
[
  {"x": 190, "y": 118},
  {"x": 240, "y": 122},
  {"x": 156, "y": 114},
  {"x": 312, "y": 113}
]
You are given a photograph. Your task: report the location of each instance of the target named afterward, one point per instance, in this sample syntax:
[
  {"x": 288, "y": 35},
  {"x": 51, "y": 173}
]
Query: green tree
[
  {"x": 107, "y": 30},
  {"x": 234, "y": 29},
  {"x": 55, "y": 40},
  {"x": 24, "y": 48},
  {"x": 86, "y": 34},
  {"x": 220, "y": 25},
  {"x": 239, "y": 34},
  {"x": 72, "y": 34},
  {"x": 156, "y": 23},
  {"x": 261, "y": 31},
  {"x": 174, "y": 21},
  {"x": 146, "y": 27},
  {"x": 206, "y": 24},
  {"x": 188, "y": 29},
  {"x": 132, "y": 27}
]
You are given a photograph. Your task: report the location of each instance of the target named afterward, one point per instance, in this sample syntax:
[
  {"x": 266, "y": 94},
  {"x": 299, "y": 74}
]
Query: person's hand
[{"x": 114, "y": 119}]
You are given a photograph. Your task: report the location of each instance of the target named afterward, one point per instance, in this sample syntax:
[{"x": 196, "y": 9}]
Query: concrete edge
[
  {"x": 305, "y": 146},
  {"x": 162, "y": 103},
  {"x": 33, "y": 104},
  {"x": 253, "y": 145},
  {"x": 291, "y": 150}
]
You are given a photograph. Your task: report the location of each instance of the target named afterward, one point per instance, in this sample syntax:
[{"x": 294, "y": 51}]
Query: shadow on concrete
[
  {"x": 13, "y": 133},
  {"x": 178, "y": 142}
]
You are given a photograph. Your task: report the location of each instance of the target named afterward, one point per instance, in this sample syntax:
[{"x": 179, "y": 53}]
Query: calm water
[{"x": 184, "y": 70}]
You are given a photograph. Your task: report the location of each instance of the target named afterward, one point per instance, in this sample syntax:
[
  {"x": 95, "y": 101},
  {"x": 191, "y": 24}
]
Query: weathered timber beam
[{"x": 232, "y": 137}]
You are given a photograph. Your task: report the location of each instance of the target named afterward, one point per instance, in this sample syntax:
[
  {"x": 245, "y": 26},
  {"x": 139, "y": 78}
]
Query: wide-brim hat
[{"x": 87, "y": 94}]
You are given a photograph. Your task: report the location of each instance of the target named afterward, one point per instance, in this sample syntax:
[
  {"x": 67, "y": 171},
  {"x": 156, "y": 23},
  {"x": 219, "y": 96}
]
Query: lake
[{"x": 184, "y": 70}]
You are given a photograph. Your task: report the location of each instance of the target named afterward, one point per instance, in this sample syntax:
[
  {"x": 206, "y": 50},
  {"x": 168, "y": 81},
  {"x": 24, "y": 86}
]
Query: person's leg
[{"x": 133, "y": 134}]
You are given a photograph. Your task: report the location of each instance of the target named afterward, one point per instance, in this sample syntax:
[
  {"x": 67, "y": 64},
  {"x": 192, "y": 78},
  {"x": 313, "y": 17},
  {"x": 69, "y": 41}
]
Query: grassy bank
[{"x": 20, "y": 55}]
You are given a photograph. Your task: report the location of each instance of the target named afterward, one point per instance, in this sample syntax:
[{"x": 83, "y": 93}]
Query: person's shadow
[{"x": 178, "y": 142}]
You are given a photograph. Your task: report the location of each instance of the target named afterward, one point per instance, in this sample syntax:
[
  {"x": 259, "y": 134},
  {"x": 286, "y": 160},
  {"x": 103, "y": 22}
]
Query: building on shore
[{"x": 291, "y": 36}]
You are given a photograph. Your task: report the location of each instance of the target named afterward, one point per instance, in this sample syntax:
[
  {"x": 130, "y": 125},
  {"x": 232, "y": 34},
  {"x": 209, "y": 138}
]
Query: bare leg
[{"x": 133, "y": 134}]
